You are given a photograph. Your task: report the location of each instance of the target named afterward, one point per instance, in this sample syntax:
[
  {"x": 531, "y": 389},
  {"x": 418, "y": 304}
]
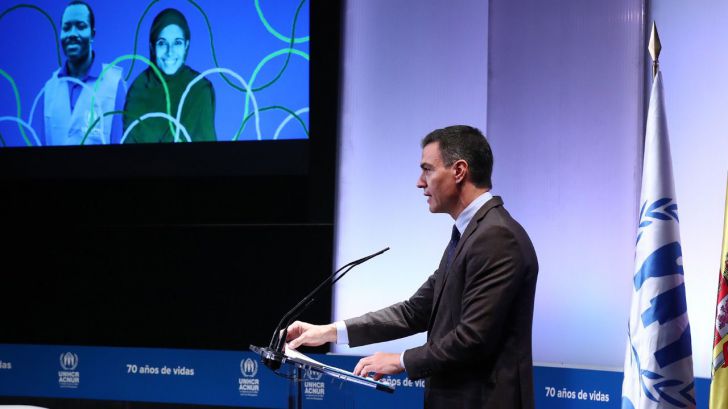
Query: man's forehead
[
  {"x": 76, "y": 12},
  {"x": 431, "y": 154}
]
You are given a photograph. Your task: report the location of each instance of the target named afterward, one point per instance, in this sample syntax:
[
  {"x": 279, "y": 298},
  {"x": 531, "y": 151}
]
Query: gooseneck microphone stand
[{"x": 273, "y": 355}]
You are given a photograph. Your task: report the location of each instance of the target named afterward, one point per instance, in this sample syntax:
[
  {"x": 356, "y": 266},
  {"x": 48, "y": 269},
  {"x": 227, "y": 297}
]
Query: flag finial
[{"x": 654, "y": 48}]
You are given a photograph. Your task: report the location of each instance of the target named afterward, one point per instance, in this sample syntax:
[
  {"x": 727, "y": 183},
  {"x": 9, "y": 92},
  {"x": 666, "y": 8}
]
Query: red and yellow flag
[{"x": 719, "y": 384}]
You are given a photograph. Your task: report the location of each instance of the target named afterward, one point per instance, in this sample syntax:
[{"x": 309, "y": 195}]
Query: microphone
[{"x": 272, "y": 356}]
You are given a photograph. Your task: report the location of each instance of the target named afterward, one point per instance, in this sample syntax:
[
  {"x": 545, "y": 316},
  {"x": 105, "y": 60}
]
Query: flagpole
[
  {"x": 654, "y": 48},
  {"x": 658, "y": 369}
]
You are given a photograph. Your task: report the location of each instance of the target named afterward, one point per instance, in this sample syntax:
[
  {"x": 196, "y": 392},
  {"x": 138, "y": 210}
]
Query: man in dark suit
[{"x": 477, "y": 308}]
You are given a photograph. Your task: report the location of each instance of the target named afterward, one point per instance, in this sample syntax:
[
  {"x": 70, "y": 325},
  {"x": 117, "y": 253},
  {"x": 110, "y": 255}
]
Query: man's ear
[{"x": 460, "y": 167}]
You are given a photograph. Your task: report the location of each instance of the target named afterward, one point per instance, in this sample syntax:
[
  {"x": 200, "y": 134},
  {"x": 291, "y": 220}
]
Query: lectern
[
  {"x": 294, "y": 364},
  {"x": 276, "y": 356}
]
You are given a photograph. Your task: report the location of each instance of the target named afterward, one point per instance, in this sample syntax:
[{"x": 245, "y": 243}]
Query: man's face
[
  {"x": 171, "y": 49},
  {"x": 437, "y": 181},
  {"x": 76, "y": 33}
]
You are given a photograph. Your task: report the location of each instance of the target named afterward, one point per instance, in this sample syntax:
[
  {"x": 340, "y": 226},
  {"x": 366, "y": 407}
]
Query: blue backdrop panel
[
  {"x": 234, "y": 378},
  {"x": 139, "y": 374}
]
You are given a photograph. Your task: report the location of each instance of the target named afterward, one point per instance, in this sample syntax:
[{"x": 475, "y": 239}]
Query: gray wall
[
  {"x": 565, "y": 120},
  {"x": 559, "y": 87},
  {"x": 409, "y": 67}
]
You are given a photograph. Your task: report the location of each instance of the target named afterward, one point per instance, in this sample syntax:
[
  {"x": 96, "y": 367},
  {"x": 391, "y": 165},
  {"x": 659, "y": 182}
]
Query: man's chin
[{"x": 76, "y": 58}]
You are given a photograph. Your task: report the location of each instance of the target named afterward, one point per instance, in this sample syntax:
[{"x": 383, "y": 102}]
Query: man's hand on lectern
[
  {"x": 379, "y": 364},
  {"x": 303, "y": 333}
]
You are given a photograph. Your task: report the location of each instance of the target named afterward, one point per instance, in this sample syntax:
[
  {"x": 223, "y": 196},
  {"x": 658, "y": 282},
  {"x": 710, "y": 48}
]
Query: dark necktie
[{"x": 454, "y": 239}]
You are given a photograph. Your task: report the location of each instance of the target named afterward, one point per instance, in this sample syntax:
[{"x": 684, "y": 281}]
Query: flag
[
  {"x": 658, "y": 367},
  {"x": 719, "y": 382}
]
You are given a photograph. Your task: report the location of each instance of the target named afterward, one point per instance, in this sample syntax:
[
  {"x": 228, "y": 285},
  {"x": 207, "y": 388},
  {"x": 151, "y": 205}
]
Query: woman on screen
[{"x": 169, "y": 42}]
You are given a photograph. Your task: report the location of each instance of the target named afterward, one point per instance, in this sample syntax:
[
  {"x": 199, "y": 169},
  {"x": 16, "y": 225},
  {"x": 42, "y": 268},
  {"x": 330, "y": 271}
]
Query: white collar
[{"x": 467, "y": 215}]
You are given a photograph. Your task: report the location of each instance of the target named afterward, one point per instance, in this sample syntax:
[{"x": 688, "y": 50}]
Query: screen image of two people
[{"x": 87, "y": 103}]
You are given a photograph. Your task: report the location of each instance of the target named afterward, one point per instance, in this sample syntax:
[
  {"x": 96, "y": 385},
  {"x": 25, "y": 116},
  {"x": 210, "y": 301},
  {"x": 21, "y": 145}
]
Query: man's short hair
[
  {"x": 91, "y": 18},
  {"x": 469, "y": 144}
]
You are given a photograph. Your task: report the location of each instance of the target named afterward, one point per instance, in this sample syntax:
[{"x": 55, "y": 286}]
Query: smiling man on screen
[{"x": 69, "y": 93}]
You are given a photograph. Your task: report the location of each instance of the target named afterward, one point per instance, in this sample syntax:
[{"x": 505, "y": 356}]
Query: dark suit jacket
[{"x": 477, "y": 314}]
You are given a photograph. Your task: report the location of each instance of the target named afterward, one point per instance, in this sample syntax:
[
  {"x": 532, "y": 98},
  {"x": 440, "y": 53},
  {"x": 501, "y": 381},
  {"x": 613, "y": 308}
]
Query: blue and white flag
[{"x": 658, "y": 367}]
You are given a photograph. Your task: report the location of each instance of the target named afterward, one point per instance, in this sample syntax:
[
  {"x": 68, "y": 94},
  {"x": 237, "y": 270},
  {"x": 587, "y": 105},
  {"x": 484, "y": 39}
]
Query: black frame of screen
[{"x": 79, "y": 241}]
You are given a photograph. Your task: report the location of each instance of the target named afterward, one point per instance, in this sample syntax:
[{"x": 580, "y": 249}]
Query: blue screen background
[{"x": 253, "y": 38}]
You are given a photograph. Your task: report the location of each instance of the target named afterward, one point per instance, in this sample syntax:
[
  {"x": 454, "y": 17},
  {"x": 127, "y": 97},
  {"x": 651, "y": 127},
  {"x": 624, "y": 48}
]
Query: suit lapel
[{"x": 469, "y": 230}]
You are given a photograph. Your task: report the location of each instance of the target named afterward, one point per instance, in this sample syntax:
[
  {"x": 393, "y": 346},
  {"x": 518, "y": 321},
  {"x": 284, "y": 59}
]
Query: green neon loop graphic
[
  {"x": 96, "y": 121},
  {"x": 23, "y": 124},
  {"x": 114, "y": 63},
  {"x": 203, "y": 75},
  {"x": 149, "y": 115},
  {"x": 136, "y": 36},
  {"x": 53, "y": 24},
  {"x": 212, "y": 45},
  {"x": 264, "y": 61},
  {"x": 273, "y": 31},
  {"x": 17, "y": 104},
  {"x": 288, "y": 56},
  {"x": 285, "y": 121},
  {"x": 245, "y": 121}
]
